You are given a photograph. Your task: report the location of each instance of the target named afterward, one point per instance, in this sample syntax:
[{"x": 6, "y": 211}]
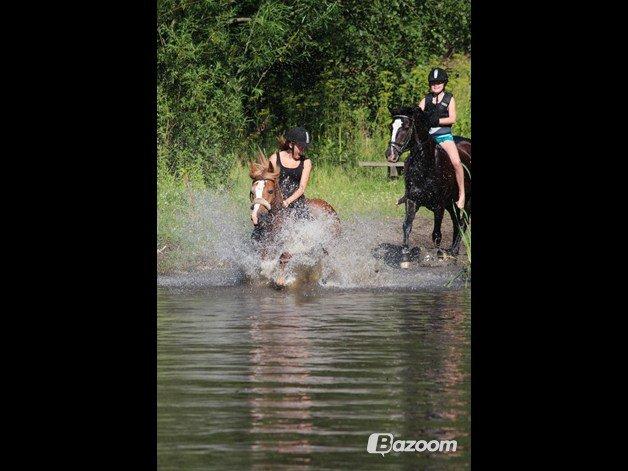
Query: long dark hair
[{"x": 284, "y": 144}]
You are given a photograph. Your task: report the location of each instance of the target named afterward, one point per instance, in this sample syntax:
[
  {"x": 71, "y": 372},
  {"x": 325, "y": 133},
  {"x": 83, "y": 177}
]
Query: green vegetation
[{"x": 232, "y": 75}]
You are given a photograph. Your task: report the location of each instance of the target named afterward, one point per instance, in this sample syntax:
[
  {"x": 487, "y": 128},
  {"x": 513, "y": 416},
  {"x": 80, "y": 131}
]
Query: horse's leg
[
  {"x": 266, "y": 264},
  {"x": 464, "y": 223},
  {"x": 438, "y": 220},
  {"x": 283, "y": 260},
  {"x": 411, "y": 209},
  {"x": 458, "y": 223}
]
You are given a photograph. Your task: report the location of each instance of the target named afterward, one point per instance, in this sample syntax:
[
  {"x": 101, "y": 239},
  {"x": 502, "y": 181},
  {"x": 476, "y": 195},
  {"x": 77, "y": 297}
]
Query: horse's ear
[
  {"x": 261, "y": 158},
  {"x": 271, "y": 167},
  {"x": 393, "y": 111},
  {"x": 254, "y": 170}
]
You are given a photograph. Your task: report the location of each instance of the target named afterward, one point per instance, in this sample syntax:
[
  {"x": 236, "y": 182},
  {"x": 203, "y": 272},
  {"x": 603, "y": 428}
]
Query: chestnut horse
[
  {"x": 268, "y": 213},
  {"x": 430, "y": 179}
]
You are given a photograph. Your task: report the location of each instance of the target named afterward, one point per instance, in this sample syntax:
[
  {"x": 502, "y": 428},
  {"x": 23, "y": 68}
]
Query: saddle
[{"x": 457, "y": 140}]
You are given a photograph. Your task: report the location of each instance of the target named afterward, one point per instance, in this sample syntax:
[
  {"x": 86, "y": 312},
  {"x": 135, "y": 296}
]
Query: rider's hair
[{"x": 283, "y": 143}]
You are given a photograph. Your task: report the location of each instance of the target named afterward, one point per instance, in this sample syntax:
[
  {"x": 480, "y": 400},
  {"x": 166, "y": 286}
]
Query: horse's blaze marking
[
  {"x": 395, "y": 128},
  {"x": 259, "y": 191}
]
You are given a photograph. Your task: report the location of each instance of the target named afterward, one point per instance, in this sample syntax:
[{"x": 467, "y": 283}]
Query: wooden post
[{"x": 394, "y": 170}]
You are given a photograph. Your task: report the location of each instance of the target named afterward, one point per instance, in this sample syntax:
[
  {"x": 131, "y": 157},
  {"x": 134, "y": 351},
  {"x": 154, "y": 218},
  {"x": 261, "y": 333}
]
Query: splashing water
[{"x": 216, "y": 249}]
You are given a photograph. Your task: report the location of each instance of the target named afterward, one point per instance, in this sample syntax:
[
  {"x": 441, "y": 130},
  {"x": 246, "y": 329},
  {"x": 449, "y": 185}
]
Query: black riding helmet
[
  {"x": 437, "y": 75},
  {"x": 300, "y": 136}
]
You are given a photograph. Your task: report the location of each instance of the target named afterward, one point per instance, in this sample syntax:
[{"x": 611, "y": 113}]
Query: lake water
[{"x": 253, "y": 378}]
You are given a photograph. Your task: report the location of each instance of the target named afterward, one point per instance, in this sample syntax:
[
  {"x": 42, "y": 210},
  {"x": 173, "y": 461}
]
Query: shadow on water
[
  {"x": 257, "y": 379},
  {"x": 391, "y": 254}
]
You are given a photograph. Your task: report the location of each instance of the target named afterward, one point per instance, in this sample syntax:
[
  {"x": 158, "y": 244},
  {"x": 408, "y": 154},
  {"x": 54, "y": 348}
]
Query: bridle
[
  {"x": 400, "y": 148},
  {"x": 263, "y": 201}
]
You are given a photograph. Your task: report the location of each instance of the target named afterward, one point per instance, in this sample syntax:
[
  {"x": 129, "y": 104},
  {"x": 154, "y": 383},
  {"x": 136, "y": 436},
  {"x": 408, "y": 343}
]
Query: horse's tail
[{"x": 465, "y": 147}]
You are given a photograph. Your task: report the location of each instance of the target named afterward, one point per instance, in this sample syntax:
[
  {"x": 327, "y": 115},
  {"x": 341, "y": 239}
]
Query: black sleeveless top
[{"x": 289, "y": 180}]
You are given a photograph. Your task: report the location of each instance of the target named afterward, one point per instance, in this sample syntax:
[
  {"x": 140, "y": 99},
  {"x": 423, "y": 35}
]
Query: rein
[
  {"x": 263, "y": 201},
  {"x": 401, "y": 148}
]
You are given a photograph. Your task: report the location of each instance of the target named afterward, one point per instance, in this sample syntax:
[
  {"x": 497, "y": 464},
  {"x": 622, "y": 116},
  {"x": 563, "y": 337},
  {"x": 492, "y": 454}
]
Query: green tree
[{"x": 233, "y": 74}]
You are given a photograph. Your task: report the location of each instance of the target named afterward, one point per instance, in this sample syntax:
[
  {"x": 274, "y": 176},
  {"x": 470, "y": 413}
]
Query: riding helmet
[
  {"x": 437, "y": 75},
  {"x": 300, "y": 136}
]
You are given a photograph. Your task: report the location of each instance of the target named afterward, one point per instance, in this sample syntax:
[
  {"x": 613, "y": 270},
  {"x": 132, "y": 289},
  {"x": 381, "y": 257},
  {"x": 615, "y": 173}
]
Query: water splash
[{"x": 215, "y": 249}]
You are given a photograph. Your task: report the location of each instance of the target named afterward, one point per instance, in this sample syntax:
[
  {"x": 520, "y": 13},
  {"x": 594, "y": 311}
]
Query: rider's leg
[{"x": 452, "y": 151}]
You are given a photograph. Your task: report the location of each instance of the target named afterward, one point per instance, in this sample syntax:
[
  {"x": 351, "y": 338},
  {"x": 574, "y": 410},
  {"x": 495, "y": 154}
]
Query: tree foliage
[{"x": 233, "y": 74}]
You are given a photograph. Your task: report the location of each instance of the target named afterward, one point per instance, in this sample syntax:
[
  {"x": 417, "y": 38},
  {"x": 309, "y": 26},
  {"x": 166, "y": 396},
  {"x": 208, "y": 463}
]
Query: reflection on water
[{"x": 258, "y": 379}]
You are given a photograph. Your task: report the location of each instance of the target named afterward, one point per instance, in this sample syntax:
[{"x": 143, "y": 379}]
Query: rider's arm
[
  {"x": 422, "y": 104},
  {"x": 305, "y": 176},
  {"x": 273, "y": 160},
  {"x": 451, "y": 119}
]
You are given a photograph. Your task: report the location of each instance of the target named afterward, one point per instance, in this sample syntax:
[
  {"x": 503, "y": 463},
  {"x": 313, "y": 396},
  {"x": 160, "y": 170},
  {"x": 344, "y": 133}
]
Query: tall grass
[
  {"x": 465, "y": 271},
  {"x": 466, "y": 240}
]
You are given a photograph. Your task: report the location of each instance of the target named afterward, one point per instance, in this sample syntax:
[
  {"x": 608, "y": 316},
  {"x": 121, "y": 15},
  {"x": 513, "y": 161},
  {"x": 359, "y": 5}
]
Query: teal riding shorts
[{"x": 443, "y": 138}]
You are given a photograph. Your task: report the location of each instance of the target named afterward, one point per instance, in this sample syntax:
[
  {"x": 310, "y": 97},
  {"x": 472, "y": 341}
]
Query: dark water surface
[{"x": 253, "y": 378}]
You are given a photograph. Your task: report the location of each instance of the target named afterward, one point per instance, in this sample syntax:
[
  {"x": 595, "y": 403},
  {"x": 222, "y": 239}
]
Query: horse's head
[
  {"x": 265, "y": 193},
  {"x": 400, "y": 132},
  {"x": 406, "y": 121}
]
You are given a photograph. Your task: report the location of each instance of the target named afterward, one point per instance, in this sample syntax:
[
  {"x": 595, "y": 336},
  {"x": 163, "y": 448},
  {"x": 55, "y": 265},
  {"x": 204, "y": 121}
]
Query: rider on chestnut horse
[{"x": 277, "y": 193}]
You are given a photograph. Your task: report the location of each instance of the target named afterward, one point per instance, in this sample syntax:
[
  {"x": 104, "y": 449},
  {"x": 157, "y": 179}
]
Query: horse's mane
[
  {"x": 415, "y": 113},
  {"x": 408, "y": 111},
  {"x": 263, "y": 169}
]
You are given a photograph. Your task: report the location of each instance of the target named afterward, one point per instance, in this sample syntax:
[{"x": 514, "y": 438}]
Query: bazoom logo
[{"x": 383, "y": 443}]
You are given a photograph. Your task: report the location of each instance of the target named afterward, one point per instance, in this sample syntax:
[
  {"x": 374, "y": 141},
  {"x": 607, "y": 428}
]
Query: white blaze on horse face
[
  {"x": 259, "y": 191},
  {"x": 395, "y": 129}
]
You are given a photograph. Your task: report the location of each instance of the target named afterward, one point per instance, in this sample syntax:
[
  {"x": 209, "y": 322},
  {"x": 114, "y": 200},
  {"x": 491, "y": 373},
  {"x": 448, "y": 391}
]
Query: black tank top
[{"x": 289, "y": 180}]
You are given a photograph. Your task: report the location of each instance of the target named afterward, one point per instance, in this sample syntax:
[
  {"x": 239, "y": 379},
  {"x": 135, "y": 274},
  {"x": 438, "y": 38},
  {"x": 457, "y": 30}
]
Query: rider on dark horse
[{"x": 440, "y": 106}]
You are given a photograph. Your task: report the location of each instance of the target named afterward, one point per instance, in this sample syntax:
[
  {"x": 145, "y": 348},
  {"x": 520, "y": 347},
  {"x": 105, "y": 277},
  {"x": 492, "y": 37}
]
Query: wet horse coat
[{"x": 430, "y": 178}]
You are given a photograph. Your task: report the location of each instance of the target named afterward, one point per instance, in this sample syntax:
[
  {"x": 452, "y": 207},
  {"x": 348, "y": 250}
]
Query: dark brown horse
[
  {"x": 430, "y": 179},
  {"x": 268, "y": 214}
]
